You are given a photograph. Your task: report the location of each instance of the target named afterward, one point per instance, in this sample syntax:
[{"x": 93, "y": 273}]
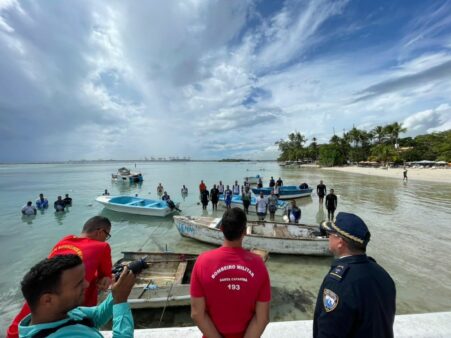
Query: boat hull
[
  {"x": 136, "y": 208},
  {"x": 285, "y": 192},
  {"x": 205, "y": 229}
]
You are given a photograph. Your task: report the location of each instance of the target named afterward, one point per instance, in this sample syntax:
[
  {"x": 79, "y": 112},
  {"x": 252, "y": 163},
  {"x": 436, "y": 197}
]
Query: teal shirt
[{"x": 122, "y": 321}]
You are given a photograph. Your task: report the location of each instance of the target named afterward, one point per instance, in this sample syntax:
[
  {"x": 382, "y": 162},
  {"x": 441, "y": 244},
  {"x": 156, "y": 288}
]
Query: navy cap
[{"x": 350, "y": 226}]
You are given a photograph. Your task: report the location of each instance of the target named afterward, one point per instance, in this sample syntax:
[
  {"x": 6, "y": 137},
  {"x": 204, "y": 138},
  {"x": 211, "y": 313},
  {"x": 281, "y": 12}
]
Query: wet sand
[{"x": 414, "y": 174}]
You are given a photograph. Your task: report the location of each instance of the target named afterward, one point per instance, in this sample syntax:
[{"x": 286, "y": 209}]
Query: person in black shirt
[
  {"x": 321, "y": 191},
  {"x": 357, "y": 298},
  {"x": 331, "y": 204},
  {"x": 214, "y": 196},
  {"x": 272, "y": 183},
  {"x": 204, "y": 194},
  {"x": 279, "y": 182},
  {"x": 67, "y": 200},
  {"x": 59, "y": 204}
]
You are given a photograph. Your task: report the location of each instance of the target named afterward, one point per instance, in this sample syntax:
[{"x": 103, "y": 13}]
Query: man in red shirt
[
  {"x": 230, "y": 287},
  {"x": 92, "y": 248}
]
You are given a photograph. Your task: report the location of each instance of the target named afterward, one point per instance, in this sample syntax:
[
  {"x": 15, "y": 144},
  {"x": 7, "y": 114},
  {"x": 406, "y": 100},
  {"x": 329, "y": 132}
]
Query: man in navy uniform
[{"x": 357, "y": 297}]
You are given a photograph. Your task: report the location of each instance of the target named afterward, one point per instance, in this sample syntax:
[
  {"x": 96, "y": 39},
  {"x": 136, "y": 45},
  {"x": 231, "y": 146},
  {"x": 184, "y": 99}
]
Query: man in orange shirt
[{"x": 92, "y": 248}]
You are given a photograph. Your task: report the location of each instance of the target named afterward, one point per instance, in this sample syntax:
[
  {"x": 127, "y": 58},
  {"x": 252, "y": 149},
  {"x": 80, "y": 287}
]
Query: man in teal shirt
[{"x": 54, "y": 290}]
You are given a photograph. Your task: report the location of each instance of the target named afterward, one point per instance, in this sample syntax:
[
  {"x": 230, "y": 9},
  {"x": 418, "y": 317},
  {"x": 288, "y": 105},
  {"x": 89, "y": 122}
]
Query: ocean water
[{"x": 410, "y": 226}]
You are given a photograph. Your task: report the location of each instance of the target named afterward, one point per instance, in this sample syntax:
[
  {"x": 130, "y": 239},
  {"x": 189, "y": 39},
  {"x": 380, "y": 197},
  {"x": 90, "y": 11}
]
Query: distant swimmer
[
  {"x": 321, "y": 191},
  {"x": 42, "y": 202},
  {"x": 184, "y": 190},
  {"x": 29, "y": 209},
  {"x": 405, "y": 174},
  {"x": 67, "y": 200},
  {"x": 59, "y": 204},
  {"x": 106, "y": 193}
]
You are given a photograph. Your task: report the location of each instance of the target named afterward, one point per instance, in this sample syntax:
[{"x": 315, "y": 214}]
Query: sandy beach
[{"x": 413, "y": 174}]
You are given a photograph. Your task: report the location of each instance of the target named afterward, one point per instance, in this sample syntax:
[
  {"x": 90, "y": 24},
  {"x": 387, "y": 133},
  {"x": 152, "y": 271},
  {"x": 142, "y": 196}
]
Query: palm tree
[{"x": 379, "y": 133}]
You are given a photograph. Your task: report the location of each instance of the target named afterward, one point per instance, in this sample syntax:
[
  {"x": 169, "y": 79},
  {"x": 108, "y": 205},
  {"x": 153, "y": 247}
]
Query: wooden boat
[
  {"x": 125, "y": 175},
  {"x": 270, "y": 236},
  {"x": 285, "y": 192},
  {"x": 164, "y": 283},
  {"x": 252, "y": 179},
  {"x": 237, "y": 201},
  {"x": 136, "y": 205}
]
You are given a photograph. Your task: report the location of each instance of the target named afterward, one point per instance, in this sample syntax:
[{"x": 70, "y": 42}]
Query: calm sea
[{"x": 410, "y": 225}]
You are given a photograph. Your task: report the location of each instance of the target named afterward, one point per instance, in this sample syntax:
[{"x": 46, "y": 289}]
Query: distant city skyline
[{"x": 214, "y": 79}]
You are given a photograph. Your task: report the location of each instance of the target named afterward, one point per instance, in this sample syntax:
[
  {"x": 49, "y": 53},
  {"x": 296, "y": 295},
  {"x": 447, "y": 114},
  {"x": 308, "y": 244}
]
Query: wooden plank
[{"x": 180, "y": 272}]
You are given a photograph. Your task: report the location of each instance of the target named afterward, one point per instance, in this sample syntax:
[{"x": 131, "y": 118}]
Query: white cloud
[{"x": 428, "y": 121}]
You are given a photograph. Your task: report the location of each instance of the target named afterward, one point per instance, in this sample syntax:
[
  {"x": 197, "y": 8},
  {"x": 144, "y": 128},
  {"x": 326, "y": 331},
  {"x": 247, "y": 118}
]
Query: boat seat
[
  {"x": 180, "y": 272},
  {"x": 135, "y": 202}
]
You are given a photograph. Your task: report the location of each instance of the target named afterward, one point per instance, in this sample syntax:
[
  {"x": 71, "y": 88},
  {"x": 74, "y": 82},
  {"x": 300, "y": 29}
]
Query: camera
[{"x": 135, "y": 266}]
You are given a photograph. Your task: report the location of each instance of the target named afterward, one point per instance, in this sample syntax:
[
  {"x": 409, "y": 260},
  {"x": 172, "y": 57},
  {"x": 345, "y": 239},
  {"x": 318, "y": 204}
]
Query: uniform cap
[{"x": 349, "y": 226}]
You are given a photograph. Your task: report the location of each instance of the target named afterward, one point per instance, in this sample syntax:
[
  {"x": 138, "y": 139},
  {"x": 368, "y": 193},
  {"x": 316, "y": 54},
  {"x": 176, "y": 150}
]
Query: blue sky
[{"x": 214, "y": 79}]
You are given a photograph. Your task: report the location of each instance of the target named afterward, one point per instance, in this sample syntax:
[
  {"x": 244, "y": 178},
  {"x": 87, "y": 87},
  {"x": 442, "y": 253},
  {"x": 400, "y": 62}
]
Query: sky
[{"x": 214, "y": 79}]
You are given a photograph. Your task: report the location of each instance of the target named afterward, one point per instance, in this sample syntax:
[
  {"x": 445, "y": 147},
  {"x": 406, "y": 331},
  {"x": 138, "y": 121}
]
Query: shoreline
[{"x": 414, "y": 174}]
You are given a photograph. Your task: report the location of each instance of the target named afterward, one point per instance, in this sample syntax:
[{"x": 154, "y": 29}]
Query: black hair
[
  {"x": 45, "y": 277},
  {"x": 95, "y": 223},
  {"x": 356, "y": 247},
  {"x": 29, "y": 203},
  {"x": 233, "y": 223}
]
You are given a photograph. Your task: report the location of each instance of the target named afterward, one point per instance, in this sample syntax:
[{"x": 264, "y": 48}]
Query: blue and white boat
[
  {"x": 137, "y": 205},
  {"x": 237, "y": 201},
  {"x": 253, "y": 179},
  {"x": 286, "y": 192}
]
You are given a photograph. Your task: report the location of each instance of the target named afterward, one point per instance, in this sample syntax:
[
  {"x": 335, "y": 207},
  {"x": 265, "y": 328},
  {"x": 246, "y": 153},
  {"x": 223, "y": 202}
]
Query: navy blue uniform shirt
[{"x": 357, "y": 299}]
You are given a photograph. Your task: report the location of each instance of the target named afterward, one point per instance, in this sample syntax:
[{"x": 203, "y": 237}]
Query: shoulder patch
[
  {"x": 330, "y": 300},
  {"x": 339, "y": 271}
]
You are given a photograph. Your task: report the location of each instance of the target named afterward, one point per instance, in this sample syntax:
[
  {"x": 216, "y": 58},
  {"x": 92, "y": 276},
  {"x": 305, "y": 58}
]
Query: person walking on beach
[
  {"x": 321, "y": 190},
  {"x": 404, "y": 174},
  {"x": 29, "y": 209},
  {"x": 261, "y": 207},
  {"x": 230, "y": 287},
  {"x": 272, "y": 204},
  {"x": 214, "y": 196},
  {"x": 247, "y": 198},
  {"x": 331, "y": 205},
  {"x": 357, "y": 298},
  {"x": 92, "y": 247},
  {"x": 272, "y": 183},
  {"x": 54, "y": 290}
]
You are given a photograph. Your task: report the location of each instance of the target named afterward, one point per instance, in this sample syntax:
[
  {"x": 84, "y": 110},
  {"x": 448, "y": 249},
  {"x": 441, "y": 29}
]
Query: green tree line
[{"x": 382, "y": 144}]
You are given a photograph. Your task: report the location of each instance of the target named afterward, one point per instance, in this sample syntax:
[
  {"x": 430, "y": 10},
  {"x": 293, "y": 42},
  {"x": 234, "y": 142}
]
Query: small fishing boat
[
  {"x": 125, "y": 175},
  {"x": 237, "y": 201},
  {"x": 253, "y": 179},
  {"x": 286, "y": 192},
  {"x": 137, "y": 205},
  {"x": 165, "y": 282},
  {"x": 272, "y": 237}
]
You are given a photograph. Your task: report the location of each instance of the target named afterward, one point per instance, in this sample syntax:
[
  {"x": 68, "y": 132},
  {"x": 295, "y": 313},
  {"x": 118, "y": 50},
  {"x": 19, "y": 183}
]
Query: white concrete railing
[{"x": 428, "y": 325}]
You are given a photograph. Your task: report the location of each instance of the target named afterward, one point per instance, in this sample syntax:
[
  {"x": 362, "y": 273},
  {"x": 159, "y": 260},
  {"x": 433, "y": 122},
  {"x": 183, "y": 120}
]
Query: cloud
[
  {"x": 428, "y": 121},
  {"x": 207, "y": 79}
]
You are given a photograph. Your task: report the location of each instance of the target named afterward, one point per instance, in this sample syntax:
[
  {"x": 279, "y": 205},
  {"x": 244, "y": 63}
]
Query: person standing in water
[
  {"x": 321, "y": 190},
  {"x": 331, "y": 205},
  {"x": 405, "y": 174}
]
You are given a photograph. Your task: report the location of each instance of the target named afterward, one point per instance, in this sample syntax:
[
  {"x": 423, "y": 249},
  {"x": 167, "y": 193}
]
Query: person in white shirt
[
  {"x": 29, "y": 209},
  {"x": 261, "y": 207},
  {"x": 236, "y": 188},
  {"x": 221, "y": 188}
]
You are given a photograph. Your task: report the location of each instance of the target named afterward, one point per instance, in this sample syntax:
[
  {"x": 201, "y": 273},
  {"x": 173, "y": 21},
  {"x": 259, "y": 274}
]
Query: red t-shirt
[
  {"x": 96, "y": 256},
  {"x": 231, "y": 280},
  {"x": 202, "y": 187}
]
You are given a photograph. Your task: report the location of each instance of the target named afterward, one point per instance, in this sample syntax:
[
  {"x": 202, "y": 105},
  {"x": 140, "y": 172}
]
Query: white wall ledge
[{"x": 428, "y": 325}]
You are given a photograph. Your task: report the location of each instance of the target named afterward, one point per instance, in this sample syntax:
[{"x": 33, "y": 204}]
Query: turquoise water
[{"x": 410, "y": 225}]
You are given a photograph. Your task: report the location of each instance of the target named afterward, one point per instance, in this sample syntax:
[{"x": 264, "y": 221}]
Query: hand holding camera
[{"x": 125, "y": 278}]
